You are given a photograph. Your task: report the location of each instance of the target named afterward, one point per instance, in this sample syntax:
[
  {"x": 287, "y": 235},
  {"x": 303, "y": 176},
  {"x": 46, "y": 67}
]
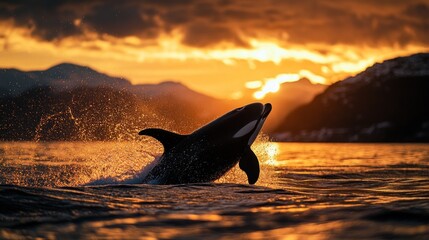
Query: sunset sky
[{"x": 216, "y": 47}]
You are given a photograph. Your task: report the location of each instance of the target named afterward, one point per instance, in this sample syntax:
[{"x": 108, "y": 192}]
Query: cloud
[
  {"x": 203, "y": 35},
  {"x": 45, "y": 21},
  {"x": 122, "y": 19},
  {"x": 206, "y": 23}
]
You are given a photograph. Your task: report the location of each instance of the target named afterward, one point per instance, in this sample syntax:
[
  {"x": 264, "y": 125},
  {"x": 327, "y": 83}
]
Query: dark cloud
[
  {"x": 207, "y": 10},
  {"x": 204, "y": 35},
  {"x": 168, "y": 3},
  {"x": 209, "y": 22},
  {"x": 177, "y": 17},
  {"x": 120, "y": 19},
  {"x": 419, "y": 13},
  {"x": 47, "y": 20},
  {"x": 418, "y": 10},
  {"x": 347, "y": 27},
  {"x": 241, "y": 15}
]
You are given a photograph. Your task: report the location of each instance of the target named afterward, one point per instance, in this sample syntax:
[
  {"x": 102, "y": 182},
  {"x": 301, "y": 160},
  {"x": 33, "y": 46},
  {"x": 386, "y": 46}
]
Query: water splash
[
  {"x": 50, "y": 123},
  {"x": 73, "y": 163},
  {"x": 263, "y": 149},
  {"x": 56, "y": 164}
]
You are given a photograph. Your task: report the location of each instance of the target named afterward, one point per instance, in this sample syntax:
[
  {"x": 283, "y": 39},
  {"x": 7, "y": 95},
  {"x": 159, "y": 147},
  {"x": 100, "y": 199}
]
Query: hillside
[
  {"x": 72, "y": 102},
  {"x": 387, "y": 102},
  {"x": 61, "y": 77}
]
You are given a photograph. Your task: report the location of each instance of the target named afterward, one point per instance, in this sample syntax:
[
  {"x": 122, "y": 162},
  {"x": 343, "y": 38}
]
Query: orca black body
[{"x": 208, "y": 153}]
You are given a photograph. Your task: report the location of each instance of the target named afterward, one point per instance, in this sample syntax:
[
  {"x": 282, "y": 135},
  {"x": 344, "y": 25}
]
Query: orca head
[{"x": 242, "y": 124}]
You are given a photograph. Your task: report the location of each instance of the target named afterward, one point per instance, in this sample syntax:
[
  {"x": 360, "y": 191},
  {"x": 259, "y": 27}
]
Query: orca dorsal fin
[
  {"x": 250, "y": 165},
  {"x": 167, "y": 138}
]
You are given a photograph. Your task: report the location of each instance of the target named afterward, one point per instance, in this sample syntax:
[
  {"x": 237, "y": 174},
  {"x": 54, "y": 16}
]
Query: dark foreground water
[{"x": 306, "y": 191}]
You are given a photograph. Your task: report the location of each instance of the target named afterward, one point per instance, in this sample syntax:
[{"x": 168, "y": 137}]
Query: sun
[{"x": 273, "y": 85}]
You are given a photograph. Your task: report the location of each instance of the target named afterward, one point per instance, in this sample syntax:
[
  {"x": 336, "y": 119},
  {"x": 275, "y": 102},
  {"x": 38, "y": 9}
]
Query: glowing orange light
[
  {"x": 167, "y": 51},
  {"x": 272, "y": 85},
  {"x": 253, "y": 84},
  {"x": 272, "y": 150}
]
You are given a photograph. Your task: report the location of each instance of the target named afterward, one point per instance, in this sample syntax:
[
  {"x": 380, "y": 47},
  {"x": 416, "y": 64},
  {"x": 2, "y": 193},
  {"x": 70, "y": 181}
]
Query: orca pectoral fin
[
  {"x": 167, "y": 138},
  {"x": 250, "y": 165}
]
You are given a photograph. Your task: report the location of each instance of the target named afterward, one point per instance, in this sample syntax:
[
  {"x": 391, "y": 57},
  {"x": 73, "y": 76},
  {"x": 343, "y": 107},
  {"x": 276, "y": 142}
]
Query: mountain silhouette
[
  {"x": 386, "y": 102},
  {"x": 72, "y": 102},
  {"x": 65, "y": 76},
  {"x": 171, "y": 103}
]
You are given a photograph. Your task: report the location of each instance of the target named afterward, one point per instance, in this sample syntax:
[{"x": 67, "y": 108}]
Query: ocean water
[{"x": 70, "y": 190}]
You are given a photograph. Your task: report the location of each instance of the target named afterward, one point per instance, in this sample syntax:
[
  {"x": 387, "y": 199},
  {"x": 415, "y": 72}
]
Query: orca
[{"x": 211, "y": 151}]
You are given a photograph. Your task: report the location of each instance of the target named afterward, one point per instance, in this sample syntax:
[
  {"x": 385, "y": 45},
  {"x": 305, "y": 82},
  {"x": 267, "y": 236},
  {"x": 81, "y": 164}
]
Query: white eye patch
[
  {"x": 246, "y": 129},
  {"x": 255, "y": 133}
]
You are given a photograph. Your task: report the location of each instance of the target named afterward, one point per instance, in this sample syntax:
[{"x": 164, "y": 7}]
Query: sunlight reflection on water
[
  {"x": 79, "y": 163},
  {"x": 306, "y": 190}
]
